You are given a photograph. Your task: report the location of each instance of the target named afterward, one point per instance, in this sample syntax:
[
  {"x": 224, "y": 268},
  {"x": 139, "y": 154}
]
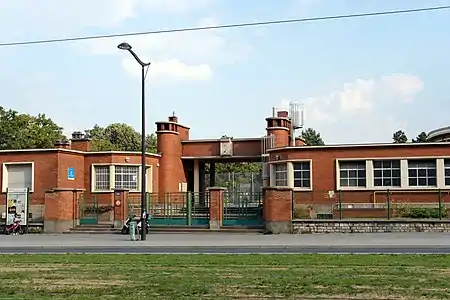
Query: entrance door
[{"x": 89, "y": 210}]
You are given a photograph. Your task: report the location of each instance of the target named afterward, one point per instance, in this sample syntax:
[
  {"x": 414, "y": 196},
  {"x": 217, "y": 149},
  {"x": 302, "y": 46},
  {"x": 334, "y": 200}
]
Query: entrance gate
[
  {"x": 89, "y": 210},
  {"x": 242, "y": 209},
  {"x": 174, "y": 209}
]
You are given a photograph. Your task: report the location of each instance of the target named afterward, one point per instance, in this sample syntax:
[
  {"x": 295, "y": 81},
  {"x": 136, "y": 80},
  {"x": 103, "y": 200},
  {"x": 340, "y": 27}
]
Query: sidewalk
[{"x": 229, "y": 240}]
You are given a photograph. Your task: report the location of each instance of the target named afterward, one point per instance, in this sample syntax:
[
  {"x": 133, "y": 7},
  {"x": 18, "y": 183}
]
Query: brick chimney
[
  {"x": 62, "y": 144},
  {"x": 80, "y": 142}
]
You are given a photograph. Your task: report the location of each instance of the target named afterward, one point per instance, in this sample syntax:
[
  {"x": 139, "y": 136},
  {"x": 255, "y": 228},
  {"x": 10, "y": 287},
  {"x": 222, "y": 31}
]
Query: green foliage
[
  {"x": 399, "y": 137},
  {"x": 238, "y": 167},
  {"x": 421, "y": 138},
  {"x": 424, "y": 213},
  {"x": 119, "y": 137},
  {"x": 24, "y": 131},
  {"x": 311, "y": 137}
]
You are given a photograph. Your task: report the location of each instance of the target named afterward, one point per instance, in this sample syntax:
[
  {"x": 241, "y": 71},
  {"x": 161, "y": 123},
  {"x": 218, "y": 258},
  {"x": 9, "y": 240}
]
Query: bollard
[{"x": 133, "y": 230}]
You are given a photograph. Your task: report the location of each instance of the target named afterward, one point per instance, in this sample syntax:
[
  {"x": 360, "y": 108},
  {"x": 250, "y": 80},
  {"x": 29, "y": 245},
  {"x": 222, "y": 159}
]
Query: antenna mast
[{"x": 296, "y": 114}]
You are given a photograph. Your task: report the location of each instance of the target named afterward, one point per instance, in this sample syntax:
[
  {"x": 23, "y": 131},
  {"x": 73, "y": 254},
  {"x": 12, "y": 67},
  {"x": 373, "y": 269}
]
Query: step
[
  {"x": 95, "y": 226},
  {"x": 91, "y": 232}
]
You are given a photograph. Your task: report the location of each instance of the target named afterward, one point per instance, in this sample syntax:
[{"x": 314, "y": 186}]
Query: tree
[
  {"x": 119, "y": 137},
  {"x": 421, "y": 138},
  {"x": 311, "y": 137},
  {"x": 399, "y": 137},
  {"x": 24, "y": 131}
]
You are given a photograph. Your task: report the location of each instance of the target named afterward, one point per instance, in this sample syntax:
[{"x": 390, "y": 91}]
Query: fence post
[
  {"x": 340, "y": 204},
  {"x": 440, "y": 204},
  {"x": 189, "y": 208},
  {"x": 388, "y": 204}
]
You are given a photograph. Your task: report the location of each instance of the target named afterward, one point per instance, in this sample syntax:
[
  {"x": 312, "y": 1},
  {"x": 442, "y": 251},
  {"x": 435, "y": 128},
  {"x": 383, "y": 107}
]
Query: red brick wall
[
  {"x": 171, "y": 169},
  {"x": 46, "y": 171},
  {"x": 324, "y": 159}
]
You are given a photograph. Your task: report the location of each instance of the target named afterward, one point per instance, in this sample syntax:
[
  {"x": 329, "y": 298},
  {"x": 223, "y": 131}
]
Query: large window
[
  {"x": 386, "y": 173},
  {"x": 447, "y": 171},
  {"x": 17, "y": 176},
  {"x": 352, "y": 173},
  {"x": 281, "y": 175},
  {"x": 422, "y": 173},
  {"x": 102, "y": 178},
  {"x": 302, "y": 174},
  {"x": 126, "y": 177}
]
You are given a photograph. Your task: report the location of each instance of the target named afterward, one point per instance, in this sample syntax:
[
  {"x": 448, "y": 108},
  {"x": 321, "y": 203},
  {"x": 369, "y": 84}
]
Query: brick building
[{"x": 61, "y": 179}]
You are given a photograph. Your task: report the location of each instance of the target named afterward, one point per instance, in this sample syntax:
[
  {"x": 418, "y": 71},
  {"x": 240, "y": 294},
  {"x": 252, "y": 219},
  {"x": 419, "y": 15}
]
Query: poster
[{"x": 17, "y": 206}]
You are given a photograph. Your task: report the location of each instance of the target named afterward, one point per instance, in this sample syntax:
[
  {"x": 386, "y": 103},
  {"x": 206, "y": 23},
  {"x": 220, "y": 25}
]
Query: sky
[{"x": 359, "y": 79}]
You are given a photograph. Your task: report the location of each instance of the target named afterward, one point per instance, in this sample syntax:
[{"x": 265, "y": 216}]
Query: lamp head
[{"x": 124, "y": 46}]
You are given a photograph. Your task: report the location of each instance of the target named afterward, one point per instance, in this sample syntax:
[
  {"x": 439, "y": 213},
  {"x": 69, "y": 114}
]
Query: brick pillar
[
  {"x": 277, "y": 209},
  {"x": 215, "y": 207},
  {"x": 60, "y": 209},
  {"x": 120, "y": 207}
]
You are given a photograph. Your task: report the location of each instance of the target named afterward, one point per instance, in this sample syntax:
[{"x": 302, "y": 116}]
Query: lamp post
[{"x": 127, "y": 47}]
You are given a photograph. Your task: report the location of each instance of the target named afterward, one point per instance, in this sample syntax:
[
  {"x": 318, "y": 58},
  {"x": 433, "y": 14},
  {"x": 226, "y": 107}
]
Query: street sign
[{"x": 71, "y": 173}]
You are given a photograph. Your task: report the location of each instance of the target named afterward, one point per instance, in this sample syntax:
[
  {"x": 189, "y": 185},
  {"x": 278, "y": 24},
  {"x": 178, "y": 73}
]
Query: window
[
  {"x": 102, "y": 178},
  {"x": 126, "y": 177},
  {"x": 447, "y": 171},
  {"x": 281, "y": 175},
  {"x": 386, "y": 173},
  {"x": 17, "y": 176},
  {"x": 422, "y": 172},
  {"x": 352, "y": 174},
  {"x": 302, "y": 174}
]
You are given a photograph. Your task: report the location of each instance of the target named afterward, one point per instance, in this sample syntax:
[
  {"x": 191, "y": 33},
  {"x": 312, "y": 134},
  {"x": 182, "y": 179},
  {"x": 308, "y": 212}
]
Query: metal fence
[
  {"x": 380, "y": 204},
  {"x": 250, "y": 182}
]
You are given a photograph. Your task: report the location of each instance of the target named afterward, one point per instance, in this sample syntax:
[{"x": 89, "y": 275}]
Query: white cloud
[
  {"x": 362, "y": 108},
  {"x": 182, "y": 55},
  {"x": 56, "y": 17}
]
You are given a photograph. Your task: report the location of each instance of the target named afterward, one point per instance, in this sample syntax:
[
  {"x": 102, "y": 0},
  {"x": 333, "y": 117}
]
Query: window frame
[
  {"x": 418, "y": 177},
  {"x": 138, "y": 177},
  {"x": 446, "y": 168},
  {"x": 277, "y": 172},
  {"x": 382, "y": 169},
  {"x": 302, "y": 171},
  {"x": 112, "y": 185},
  {"x": 339, "y": 178},
  {"x": 94, "y": 178},
  {"x": 5, "y": 174}
]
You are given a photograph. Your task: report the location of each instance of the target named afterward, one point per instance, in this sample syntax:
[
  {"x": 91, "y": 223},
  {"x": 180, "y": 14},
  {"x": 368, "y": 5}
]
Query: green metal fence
[
  {"x": 89, "y": 209},
  {"x": 377, "y": 204},
  {"x": 242, "y": 209},
  {"x": 173, "y": 209}
]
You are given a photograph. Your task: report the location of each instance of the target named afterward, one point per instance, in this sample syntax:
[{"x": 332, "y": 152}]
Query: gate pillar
[
  {"x": 215, "y": 207},
  {"x": 120, "y": 207},
  {"x": 61, "y": 209},
  {"x": 277, "y": 209}
]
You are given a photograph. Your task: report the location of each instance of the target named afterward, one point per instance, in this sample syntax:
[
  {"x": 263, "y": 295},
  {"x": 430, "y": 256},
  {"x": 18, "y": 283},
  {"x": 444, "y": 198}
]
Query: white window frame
[
  {"x": 446, "y": 164},
  {"x": 436, "y": 171},
  {"x": 136, "y": 170},
  {"x": 5, "y": 174},
  {"x": 440, "y": 173},
  {"x": 390, "y": 169},
  {"x": 277, "y": 181},
  {"x": 112, "y": 171},
  {"x": 309, "y": 162},
  {"x": 367, "y": 176},
  {"x": 94, "y": 177}
]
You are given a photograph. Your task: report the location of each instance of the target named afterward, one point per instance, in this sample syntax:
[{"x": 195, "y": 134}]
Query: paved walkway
[{"x": 229, "y": 240}]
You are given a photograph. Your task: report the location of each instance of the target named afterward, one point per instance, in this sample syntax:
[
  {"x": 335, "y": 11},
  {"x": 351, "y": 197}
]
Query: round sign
[{"x": 117, "y": 203}]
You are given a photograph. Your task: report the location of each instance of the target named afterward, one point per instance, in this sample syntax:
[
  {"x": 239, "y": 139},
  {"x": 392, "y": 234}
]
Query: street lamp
[{"x": 127, "y": 47}]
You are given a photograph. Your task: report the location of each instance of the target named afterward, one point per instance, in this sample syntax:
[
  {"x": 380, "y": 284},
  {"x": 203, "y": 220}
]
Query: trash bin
[{"x": 133, "y": 230}]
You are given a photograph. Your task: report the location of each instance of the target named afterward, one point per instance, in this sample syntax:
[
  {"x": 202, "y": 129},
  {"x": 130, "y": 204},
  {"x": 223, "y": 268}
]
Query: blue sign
[{"x": 71, "y": 173}]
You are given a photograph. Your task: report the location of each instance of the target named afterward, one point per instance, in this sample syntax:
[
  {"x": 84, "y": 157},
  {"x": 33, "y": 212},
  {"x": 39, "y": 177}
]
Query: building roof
[{"x": 75, "y": 151}]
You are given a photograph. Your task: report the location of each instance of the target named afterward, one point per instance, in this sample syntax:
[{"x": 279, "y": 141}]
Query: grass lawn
[{"x": 76, "y": 276}]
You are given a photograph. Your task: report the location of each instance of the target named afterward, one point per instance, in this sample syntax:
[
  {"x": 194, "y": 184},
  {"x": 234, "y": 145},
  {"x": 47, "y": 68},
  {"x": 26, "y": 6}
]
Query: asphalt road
[{"x": 221, "y": 243}]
